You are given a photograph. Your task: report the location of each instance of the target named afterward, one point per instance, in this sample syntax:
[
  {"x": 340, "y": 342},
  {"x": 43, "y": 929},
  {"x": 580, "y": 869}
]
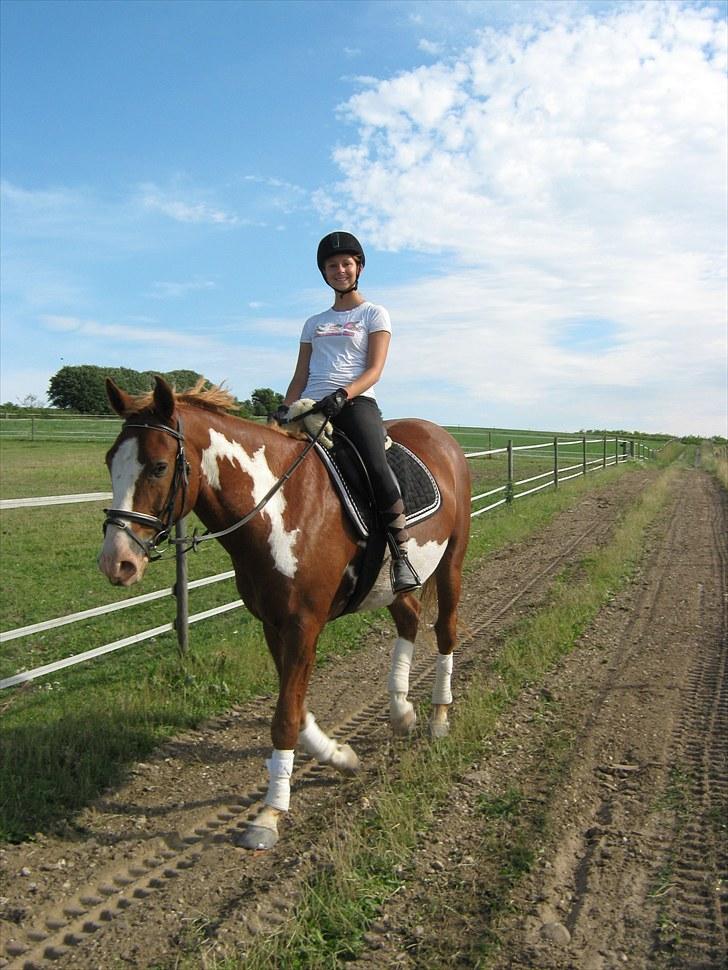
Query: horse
[{"x": 293, "y": 548}]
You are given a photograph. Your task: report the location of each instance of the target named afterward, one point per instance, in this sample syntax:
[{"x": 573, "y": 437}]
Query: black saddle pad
[{"x": 419, "y": 489}]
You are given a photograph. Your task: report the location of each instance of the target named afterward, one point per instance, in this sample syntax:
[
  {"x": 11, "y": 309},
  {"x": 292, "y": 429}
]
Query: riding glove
[{"x": 332, "y": 403}]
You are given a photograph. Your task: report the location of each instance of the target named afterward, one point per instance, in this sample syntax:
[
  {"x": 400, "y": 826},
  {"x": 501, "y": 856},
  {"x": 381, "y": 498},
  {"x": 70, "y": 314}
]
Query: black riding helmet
[{"x": 338, "y": 244}]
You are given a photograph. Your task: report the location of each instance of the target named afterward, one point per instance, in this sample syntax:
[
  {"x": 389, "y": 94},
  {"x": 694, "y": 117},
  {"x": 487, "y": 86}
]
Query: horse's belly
[{"x": 424, "y": 558}]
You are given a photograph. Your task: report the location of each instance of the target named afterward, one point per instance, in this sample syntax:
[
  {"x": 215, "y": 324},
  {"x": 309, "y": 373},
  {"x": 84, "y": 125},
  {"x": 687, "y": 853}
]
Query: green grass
[
  {"x": 52, "y": 468},
  {"x": 715, "y": 460}
]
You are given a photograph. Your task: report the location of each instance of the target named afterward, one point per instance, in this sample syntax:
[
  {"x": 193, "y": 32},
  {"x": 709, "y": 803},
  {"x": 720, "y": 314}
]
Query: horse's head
[{"x": 149, "y": 476}]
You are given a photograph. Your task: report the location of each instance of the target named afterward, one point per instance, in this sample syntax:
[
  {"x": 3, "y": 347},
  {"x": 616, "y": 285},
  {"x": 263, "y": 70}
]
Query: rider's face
[{"x": 341, "y": 271}]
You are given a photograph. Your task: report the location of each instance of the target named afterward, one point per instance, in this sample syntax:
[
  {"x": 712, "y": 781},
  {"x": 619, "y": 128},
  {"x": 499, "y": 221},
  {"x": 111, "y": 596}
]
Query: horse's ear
[
  {"x": 163, "y": 399},
  {"x": 118, "y": 399}
]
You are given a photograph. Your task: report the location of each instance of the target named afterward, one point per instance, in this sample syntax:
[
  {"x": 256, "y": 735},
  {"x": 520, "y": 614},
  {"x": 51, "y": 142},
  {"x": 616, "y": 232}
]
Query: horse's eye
[{"x": 159, "y": 469}]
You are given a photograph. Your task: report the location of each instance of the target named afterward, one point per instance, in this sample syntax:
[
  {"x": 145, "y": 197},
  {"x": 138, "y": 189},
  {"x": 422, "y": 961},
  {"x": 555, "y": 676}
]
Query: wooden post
[
  {"x": 181, "y": 591},
  {"x": 509, "y": 488},
  {"x": 604, "y": 457},
  {"x": 556, "y": 461},
  {"x": 583, "y": 454},
  {"x": 616, "y": 450}
]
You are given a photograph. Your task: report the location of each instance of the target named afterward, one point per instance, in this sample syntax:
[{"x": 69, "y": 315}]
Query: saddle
[{"x": 348, "y": 474}]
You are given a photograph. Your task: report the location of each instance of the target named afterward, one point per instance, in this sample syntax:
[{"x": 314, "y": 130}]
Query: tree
[
  {"x": 264, "y": 400},
  {"x": 82, "y": 388}
]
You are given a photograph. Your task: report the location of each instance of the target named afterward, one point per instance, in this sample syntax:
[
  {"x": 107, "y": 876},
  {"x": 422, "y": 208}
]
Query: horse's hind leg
[
  {"x": 448, "y": 579},
  {"x": 405, "y": 612}
]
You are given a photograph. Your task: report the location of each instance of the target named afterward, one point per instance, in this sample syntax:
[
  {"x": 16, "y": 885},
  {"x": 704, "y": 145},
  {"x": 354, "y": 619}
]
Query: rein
[{"x": 115, "y": 517}]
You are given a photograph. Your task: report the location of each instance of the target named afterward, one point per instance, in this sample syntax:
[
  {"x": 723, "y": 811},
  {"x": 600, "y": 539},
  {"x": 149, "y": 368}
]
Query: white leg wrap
[
  {"x": 441, "y": 693},
  {"x": 280, "y": 769},
  {"x": 398, "y": 682},
  {"x": 314, "y": 742}
]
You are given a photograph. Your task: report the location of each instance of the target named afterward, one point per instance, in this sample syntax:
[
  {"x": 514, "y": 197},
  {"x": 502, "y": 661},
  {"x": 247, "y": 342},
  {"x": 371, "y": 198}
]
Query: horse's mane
[{"x": 215, "y": 398}]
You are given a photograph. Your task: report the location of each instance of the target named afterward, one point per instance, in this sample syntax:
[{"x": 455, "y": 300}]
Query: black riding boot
[{"x": 403, "y": 574}]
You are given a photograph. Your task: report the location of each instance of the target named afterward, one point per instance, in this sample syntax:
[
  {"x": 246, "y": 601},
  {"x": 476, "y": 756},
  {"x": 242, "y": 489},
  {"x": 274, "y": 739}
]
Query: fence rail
[{"x": 621, "y": 450}]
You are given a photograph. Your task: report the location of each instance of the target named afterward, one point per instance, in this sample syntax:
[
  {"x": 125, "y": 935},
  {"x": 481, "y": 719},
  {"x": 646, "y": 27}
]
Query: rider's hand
[{"x": 330, "y": 405}]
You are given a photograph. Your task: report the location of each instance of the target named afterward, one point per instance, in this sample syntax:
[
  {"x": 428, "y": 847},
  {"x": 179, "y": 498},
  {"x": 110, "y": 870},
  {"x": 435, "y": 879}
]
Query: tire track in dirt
[
  {"x": 131, "y": 905},
  {"x": 641, "y": 699}
]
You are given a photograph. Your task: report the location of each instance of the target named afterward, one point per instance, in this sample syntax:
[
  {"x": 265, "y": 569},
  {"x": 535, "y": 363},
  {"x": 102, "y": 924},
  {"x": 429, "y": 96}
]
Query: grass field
[{"x": 67, "y": 736}]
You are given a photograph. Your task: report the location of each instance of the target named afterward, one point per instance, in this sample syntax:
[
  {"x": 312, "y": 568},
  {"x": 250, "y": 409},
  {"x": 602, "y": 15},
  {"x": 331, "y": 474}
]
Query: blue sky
[{"x": 540, "y": 190}]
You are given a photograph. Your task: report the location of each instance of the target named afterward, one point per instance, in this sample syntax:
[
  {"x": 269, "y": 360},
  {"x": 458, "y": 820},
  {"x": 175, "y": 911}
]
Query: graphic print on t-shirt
[{"x": 350, "y": 328}]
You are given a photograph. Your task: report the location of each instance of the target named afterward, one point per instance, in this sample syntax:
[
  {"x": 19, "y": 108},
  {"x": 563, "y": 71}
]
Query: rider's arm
[
  {"x": 300, "y": 375},
  {"x": 376, "y": 358}
]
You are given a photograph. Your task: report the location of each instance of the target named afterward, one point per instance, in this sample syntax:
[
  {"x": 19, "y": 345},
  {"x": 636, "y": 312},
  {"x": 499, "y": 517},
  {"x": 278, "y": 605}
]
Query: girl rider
[{"x": 341, "y": 357}]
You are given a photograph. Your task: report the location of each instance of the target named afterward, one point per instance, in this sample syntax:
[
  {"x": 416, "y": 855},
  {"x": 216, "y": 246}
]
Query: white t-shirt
[{"x": 340, "y": 343}]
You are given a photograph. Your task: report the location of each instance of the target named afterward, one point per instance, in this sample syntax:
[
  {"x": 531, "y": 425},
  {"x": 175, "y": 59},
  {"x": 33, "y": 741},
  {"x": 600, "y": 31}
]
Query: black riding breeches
[{"x": 361, "y": 421}]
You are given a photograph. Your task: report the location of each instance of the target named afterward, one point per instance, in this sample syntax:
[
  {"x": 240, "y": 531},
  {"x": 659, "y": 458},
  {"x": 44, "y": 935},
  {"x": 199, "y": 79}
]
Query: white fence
[{"x": 613, "y": 451}]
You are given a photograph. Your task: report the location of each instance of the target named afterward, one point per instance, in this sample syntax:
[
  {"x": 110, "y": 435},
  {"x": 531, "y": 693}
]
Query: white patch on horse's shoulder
[
  {"x": 125, "y": 470},
  {"x": 280, "y": 541},
  {"x": 424, "y": 558}
]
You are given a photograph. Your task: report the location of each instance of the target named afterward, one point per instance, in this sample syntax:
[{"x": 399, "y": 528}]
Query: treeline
[{"x": 82, "y": 389}]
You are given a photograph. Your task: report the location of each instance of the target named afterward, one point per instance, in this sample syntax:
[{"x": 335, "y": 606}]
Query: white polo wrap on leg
[
  {"x": 314, "y": 742},
  {"x": 280, "y": 769},
  {"x": 398, "y": 682},
  {"x": 441, "y": 693}
]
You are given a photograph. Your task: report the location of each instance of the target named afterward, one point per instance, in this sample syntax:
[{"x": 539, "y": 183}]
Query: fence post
[
  {"x": 556, "y": 461},
  {"x": 509, "y": 487},
  {"x": 616, "y": 449},
  {"x": 604, "y": 456},
  {"x": 181, "y": 591},
  {"x": 583, "y": 454}
]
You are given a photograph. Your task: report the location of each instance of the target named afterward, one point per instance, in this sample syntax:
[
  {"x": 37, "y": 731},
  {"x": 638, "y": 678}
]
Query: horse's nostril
[{"x": 126, "y": 570}]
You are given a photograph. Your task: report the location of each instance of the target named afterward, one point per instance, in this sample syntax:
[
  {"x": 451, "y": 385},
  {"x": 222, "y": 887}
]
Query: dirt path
[
  {"x": 634, "y": 824},
  {"x": 621, "y": 759}
]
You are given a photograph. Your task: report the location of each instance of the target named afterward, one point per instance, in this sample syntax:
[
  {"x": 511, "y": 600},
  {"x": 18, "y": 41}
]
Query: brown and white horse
[{"x": 295, "y": 560}]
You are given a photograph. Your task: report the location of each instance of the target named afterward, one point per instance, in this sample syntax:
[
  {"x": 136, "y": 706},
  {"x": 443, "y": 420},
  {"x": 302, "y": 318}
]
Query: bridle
[
  {"x": 121, "y": 518},
  {"x": 165, "y": 522}
]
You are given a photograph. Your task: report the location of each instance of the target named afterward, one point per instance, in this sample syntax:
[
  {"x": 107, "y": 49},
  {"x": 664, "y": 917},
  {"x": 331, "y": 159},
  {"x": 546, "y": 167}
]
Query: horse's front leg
[
  {"x": 405, "y": 611},
  {"x": 293, "y": 648},
  {"x": 326, "y": 750},
  {"x": 293, "y": 651}
]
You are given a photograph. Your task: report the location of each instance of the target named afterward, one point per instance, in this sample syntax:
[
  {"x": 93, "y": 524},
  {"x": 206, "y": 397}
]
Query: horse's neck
[{"x": 239, "y": 461}]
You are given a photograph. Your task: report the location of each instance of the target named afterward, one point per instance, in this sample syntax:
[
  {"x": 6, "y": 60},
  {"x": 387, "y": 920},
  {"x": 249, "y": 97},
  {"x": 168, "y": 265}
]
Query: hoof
[
  {"x": 403, "y": 726},
  {"x": 439, "y": 729},
  {"x": 256, "y": 837},
  {"x": 345, "y": 760}
]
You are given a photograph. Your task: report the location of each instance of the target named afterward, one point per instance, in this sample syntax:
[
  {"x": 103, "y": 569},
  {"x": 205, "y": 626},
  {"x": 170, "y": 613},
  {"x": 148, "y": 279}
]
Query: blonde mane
[{"x": 215, "y": 398}]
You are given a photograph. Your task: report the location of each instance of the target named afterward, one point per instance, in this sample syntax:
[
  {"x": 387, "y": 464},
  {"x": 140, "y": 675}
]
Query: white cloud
[
  {"x": 184, "y": 211},
  {"x": 430, "y": 47},
  {"x": 166, "y": 289},
  {"x": 572, "y": 170},
  {"x": 130, "y": 335}
]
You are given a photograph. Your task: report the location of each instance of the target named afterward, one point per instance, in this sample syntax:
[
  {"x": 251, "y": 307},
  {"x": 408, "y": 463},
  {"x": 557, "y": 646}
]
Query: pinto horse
[{"x": 294, "y": 550}]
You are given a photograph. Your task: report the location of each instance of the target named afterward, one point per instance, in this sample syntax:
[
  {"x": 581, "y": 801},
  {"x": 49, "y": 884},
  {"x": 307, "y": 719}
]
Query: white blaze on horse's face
[
  {"x": 280, "y": 541},
  {"x": 121, "y": 559}
]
